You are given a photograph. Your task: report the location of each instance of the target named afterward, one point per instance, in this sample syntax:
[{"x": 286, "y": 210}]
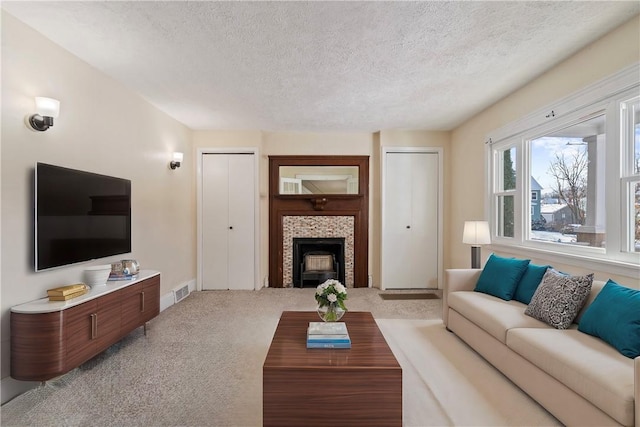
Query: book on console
[
  {"x": 68, "y": 296},
  {"x": 67, "y": 290},
  {"x": 115, "y": 277}
]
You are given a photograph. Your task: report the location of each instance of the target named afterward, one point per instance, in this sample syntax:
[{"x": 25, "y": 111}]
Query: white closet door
[
  {"x": 410, "y": 227},
  {"x": 241, "y": 221},
  {"x": 397, "y": 253},
  {"x": 228, "y": 226},
  {"x": 215, "y": 220},
  {"x": 424, "y": 224}
]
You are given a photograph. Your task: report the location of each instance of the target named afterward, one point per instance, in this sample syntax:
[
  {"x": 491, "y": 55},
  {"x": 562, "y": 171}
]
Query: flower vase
[{"x": 330, "y": 313}]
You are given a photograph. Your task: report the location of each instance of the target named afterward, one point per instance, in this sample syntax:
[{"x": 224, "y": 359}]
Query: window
[
  {"x": 567, "y": 182},
  {"x": 630, "y": 125},
  {"x": 568, "y": 166}
]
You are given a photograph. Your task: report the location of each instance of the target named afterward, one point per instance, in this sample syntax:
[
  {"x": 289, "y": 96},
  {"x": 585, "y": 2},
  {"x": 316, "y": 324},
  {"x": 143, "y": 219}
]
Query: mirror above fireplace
[{"x": 318, "y": 180}]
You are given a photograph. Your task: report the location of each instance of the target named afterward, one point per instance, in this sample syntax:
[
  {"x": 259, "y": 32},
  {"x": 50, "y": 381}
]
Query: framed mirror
[{"x": 318, "y": 179}]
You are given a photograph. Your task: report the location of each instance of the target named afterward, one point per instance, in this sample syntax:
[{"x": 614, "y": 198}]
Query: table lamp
[{"x": 476, "y": 233}]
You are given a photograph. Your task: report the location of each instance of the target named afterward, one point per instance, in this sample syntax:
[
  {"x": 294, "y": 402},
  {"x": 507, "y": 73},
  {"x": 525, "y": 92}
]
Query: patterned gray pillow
[{"x": 559, "y": 298}]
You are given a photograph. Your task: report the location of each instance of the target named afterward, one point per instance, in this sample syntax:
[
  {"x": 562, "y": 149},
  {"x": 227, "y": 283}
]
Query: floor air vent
[{"x": 181, "y": 293}]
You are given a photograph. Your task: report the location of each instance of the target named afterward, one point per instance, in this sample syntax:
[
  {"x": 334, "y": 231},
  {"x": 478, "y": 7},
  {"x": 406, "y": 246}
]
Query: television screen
[{"x": 79, "y": 216}]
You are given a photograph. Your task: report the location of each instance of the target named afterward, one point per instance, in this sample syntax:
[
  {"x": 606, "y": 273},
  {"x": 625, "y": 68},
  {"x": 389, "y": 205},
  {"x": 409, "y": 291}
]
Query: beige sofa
[{"x": 580, "y": 379}]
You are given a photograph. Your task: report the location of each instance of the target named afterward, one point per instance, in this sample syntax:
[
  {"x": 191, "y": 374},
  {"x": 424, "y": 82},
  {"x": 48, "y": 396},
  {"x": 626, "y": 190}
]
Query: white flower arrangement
[{"x": 331, "y": 292}]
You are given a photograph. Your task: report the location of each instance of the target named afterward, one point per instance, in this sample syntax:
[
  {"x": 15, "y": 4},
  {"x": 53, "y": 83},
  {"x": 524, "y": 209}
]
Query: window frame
[
  {"x": 629, "y": 176},
  {"x": 603, "y": 97}
]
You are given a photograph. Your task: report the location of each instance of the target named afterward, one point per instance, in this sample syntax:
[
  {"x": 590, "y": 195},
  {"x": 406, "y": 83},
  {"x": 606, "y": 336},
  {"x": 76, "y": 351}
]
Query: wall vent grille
[{"x": 181, "y": 293}]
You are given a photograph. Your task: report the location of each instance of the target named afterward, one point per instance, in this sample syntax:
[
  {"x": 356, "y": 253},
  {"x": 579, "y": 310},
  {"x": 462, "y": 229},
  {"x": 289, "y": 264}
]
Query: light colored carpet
[
  {"x": 201, "y": 365},
  {"x": 445, "y": 383}
]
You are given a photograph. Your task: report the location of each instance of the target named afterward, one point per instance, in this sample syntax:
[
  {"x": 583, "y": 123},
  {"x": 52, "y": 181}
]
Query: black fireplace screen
[{"x": 316, "y": 245}]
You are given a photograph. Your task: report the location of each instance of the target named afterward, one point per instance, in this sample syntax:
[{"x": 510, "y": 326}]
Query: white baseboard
[
  {"x": 10, "y": 388},
  {"x": 167, "y": 300}
]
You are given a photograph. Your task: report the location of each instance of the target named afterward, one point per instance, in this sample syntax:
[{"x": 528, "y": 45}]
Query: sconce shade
[
  {"x": 176, "y": 160},
  {"x": 476, "y": 233},
  {"x": 47, "y": 109}
]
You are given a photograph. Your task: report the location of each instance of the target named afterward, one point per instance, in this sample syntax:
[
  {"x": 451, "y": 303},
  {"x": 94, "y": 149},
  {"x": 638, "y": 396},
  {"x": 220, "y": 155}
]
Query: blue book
[
  {"x": 328, "y": 344},
  {"x": 328, "y": 338}
]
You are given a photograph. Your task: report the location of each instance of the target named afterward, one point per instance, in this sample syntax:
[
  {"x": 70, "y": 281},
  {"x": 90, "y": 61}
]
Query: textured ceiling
[{"x": 323, "y": 66}]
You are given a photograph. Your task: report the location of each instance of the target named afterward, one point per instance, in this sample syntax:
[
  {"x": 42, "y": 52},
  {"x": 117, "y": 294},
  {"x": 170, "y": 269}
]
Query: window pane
[
  {"x": 635, "y": 111},
  {"x": 636, "y": 215},
  {"x": 568, "y": 185},
  {"x": 508, "y": 169},
  {"x": 506, "y": 216}
]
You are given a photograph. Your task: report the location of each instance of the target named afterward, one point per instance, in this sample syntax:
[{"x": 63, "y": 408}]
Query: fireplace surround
[{"x": 323, "y": 215}]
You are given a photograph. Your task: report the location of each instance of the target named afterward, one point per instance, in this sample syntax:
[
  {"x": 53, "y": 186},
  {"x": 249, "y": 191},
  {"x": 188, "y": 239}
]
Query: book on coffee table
[
  {"x": 328, "y": 335},
  {"x": 327, "y": 328},
  {"x": 329, "y": 338},
  {"x": 328, "y": 344}
]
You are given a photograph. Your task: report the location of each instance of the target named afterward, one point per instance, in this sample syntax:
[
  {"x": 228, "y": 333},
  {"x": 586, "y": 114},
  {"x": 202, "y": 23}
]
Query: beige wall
[
  {"x": 102, "y": 128},
  {"x": 325, "y": 143},
  {"x": 606, "y": 56}
]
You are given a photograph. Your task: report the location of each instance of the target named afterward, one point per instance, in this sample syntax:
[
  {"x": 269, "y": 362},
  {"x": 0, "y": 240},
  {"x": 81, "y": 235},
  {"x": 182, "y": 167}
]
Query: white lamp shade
[
  {"x": 476, "y": 233},
  {"x": 177, "y": 157},
  {"x": 47, "y": 107}
]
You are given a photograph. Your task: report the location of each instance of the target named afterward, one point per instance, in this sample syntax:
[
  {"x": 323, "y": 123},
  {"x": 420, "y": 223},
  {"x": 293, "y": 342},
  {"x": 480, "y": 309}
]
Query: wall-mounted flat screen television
[{"x": 79, "y": 216}]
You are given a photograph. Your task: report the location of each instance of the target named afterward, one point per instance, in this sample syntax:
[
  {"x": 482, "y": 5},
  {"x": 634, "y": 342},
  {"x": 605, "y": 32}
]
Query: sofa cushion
[
  {"x": 559, "y": 298},
  {"x": 614, "y": 316},
  {"x": 529, "y": 282},
  {"x": 500, "y": 276},
  {"x": 492, "y": 314},
  {"x": 586, "y": 365}
]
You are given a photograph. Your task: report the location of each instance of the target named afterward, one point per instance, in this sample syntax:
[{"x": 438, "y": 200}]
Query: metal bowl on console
[{"x": 130, "y": 267}]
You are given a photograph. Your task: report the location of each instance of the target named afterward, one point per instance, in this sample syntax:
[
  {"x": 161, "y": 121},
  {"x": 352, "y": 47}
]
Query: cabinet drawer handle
[
  {"x": 94, "y": 326},
  {"x": 141, "y": 301}
]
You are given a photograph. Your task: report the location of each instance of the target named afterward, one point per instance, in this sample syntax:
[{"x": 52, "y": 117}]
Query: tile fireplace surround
[{"x": 324, "y": 226}]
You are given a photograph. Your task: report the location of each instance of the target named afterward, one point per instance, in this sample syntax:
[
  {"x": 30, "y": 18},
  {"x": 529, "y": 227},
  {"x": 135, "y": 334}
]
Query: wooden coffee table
[{"x": 360, "y": 386}]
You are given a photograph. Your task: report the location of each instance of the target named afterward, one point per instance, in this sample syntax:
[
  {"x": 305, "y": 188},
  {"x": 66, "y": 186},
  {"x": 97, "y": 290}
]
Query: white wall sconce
[
  {"x": 47, "y": 109},
  {"x": 177, "y": 159},
  {"x": 476, "y": 233}
]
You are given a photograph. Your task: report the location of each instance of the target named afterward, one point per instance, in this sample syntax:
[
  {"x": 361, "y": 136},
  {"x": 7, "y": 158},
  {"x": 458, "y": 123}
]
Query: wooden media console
[{"x": 50, "y": 338}]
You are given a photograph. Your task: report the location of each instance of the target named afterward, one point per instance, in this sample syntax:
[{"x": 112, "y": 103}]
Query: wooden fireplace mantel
[{"x": 355, "y": 205}]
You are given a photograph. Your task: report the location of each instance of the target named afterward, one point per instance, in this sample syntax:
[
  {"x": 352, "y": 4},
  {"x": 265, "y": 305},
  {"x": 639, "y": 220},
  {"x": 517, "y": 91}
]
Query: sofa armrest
[
  {"x": 636, "y": 384},
  {"x": 461, "y": 279}
]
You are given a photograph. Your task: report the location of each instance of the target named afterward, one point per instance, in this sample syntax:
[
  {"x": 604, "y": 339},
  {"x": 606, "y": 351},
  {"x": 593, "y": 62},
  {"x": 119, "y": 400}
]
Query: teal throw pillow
[
  {"x": 500, "y": 276},
  {"x": 614, "y": 316},
  {"x": 529, "y": 282}
]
